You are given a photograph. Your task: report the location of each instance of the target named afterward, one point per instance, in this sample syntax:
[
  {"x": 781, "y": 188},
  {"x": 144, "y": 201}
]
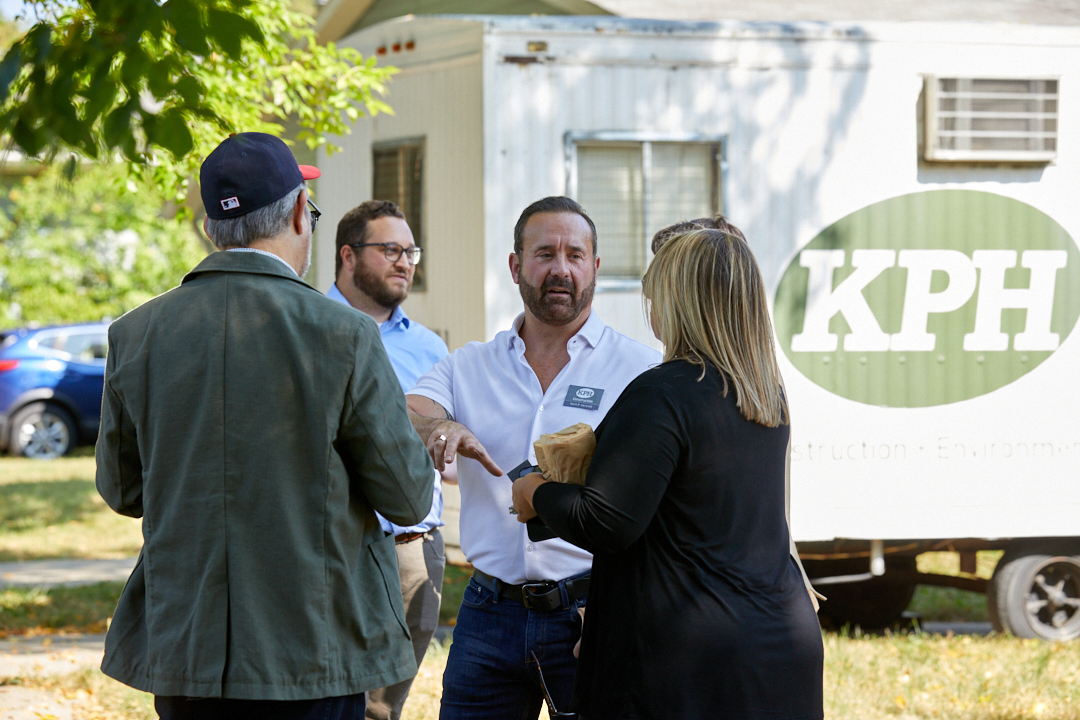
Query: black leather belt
[{"x": 542, "y": 596}]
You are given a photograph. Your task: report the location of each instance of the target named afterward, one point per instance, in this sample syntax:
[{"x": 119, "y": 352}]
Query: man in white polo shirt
[{"x": 558, "y": 365}]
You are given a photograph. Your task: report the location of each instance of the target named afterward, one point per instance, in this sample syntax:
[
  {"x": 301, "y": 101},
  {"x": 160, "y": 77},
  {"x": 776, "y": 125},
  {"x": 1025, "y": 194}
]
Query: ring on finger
[{"x": 443, "y": 438}]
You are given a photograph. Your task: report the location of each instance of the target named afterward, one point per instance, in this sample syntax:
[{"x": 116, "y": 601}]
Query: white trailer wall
[{"x": 818, "y": 121}]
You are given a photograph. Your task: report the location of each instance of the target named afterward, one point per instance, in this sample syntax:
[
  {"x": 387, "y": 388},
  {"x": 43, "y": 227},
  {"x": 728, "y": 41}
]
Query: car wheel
[
  {"x": 1036, "y": 595},
  {"x": 42, "y": 432}
]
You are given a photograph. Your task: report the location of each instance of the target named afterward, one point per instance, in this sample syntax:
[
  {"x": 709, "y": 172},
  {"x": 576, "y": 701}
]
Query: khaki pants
[{"x": 420, "y": 565}]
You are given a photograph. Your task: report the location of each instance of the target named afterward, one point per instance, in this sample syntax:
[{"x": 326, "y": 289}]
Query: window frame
[
  {"x": 419, "y": 284},
  {"x": 36, "y": 343},
  {"x": 573, "y": 139},
  {"x": 932, "y": 153}
]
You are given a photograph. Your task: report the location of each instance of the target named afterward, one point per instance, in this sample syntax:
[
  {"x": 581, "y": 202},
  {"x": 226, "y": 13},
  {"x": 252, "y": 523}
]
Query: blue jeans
[{"x": 490, "y": 673}]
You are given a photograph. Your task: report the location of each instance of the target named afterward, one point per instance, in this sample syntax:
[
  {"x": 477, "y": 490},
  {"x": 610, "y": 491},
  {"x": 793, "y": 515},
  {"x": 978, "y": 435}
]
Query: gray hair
[{"x": 266, "y": 222}]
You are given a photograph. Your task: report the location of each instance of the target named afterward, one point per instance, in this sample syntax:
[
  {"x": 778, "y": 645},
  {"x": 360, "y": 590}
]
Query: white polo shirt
[{"x": 492, "y": 390}]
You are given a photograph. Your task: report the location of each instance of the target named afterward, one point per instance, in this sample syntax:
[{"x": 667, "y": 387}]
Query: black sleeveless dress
[{"x": 695, "y": 608}]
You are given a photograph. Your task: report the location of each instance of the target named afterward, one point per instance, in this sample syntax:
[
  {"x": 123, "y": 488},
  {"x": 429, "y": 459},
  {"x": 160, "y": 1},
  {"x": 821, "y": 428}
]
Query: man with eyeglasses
[
  {"x": 376, "y": 262},
  {"x": 255, "y": 426}
]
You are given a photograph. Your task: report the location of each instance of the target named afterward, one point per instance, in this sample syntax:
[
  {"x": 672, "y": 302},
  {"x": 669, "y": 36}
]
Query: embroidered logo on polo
[{"x": 586, "y": 398}]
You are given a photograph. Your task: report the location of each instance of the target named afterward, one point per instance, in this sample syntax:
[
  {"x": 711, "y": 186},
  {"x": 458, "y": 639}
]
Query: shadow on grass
[
  {"x": 79, "y": 609},
  {"x": 30, "y": 505}
]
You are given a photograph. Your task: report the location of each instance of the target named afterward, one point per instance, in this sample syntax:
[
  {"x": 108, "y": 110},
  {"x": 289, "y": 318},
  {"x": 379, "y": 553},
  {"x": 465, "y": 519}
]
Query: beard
[
  {"x": 552, "y": 309},
  {"x": 375, "y": 287}
]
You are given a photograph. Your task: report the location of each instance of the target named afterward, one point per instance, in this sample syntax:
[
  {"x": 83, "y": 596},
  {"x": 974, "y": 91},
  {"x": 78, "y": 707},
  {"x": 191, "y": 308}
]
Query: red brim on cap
[{"x": 309, "y": 172}]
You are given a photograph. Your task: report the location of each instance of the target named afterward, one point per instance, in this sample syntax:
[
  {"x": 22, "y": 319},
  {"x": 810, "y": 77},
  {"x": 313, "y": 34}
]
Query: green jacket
[{"x": 255, "y": 425}]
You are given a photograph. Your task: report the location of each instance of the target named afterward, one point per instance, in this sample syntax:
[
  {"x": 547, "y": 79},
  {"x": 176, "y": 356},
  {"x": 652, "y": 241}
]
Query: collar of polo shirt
[{"x": 590, "y": 332}]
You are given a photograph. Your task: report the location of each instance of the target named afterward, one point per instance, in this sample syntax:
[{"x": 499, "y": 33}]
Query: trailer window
[
  {"x": 399, "y": 178},
  {"x": 632, "y": 189},
  {"x": 991, "y": 120}
]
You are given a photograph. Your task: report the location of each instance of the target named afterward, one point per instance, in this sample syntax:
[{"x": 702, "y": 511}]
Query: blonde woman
[{"x": 696, "y": 609}]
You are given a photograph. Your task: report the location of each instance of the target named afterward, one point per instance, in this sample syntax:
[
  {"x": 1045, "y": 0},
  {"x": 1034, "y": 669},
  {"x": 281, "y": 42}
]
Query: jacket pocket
[{"x": 386, "y": 559}]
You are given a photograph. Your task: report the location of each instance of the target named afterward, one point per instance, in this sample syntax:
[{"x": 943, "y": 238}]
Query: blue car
[{"x": 51, "y": 380}]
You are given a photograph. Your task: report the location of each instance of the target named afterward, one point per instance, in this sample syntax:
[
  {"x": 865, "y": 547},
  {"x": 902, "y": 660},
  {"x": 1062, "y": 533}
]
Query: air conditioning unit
[{"x": 991, "y": 119}]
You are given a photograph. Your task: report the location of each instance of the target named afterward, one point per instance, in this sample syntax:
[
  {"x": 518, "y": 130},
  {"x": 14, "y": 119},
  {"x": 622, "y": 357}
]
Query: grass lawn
[
  {"x": 892, "y": 677},
  {"x": 455, "y": 580},
  {"x": 51, "y": 509},
  {"x": 968, "y": 678},
  {"x": 37, "y": 611}
]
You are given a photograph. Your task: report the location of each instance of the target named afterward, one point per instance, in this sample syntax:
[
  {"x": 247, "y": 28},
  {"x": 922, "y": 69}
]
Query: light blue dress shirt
[{"x": 413, "y": 350}]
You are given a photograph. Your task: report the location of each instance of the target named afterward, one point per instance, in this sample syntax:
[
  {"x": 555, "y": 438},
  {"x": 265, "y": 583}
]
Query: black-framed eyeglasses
[
  {"x": 547, "y": 695},
  {"x": 316, "y": 213},
  {"x": 393, "y": 251}
]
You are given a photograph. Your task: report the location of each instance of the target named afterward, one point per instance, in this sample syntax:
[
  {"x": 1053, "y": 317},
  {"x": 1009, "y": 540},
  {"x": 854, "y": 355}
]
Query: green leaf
[
  {"x": 171, "y": 132},
  {"x": 149, "y": 123},
  {"x": 31, "y": 140},
  {"x": 228, "y": 30},
  {"x": 190, "y": 90},
  {"x": 117, "y": 125},
  {"x": 188, "y": 23},
  {"x": 158, "y": 81},
  {"x": 9, "y": 69},
  {"x": 103, "y": 54},
  {"x": 40, "y": 40},
  {"x": 67, "y": 124},
  {"x": 87, "y": 143},
  {"x": 135, "y": 65},
  {"x": 100, "y": 95},
  {"x": 130, "y": 148}
]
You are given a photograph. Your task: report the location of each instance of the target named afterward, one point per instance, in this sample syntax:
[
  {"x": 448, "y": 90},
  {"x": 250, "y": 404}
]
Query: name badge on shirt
[{"x": 586, "y": 398}]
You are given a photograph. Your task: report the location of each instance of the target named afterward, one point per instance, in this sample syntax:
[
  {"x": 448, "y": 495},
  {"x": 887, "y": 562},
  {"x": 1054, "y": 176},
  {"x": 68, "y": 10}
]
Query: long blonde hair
[{"x": 707, "y": 300}]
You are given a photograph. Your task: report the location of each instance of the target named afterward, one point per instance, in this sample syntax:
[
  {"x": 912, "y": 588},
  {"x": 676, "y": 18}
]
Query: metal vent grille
[{"x": 991, "y": 120}]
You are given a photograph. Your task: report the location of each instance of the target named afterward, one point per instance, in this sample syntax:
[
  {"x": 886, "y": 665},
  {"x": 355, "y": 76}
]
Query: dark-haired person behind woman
[{"x": 696, "y": 609}]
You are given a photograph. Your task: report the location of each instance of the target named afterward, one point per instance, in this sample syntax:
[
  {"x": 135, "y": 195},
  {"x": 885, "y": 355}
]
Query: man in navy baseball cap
[
  {"x": 254, "y": 192},
  {"x": 258, "y": 427}
]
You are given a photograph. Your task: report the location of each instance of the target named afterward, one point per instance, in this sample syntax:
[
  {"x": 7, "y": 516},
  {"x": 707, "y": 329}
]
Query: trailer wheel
[{"x": 1036, "y": 595}]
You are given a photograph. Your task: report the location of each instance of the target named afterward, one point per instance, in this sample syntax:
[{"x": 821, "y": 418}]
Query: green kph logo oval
[{"x": 929, "y": 298}]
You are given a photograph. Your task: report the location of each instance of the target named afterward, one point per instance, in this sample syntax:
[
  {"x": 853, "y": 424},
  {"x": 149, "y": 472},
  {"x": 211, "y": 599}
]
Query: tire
[
  {"x": 1036, "y": 595},
  {"x": 870, "y": 604},
  {"x": 42, "y": 431}
]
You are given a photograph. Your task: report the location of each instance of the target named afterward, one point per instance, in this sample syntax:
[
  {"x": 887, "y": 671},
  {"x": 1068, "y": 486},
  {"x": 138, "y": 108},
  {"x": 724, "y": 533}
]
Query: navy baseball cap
[{"x": 249, "y": 171}]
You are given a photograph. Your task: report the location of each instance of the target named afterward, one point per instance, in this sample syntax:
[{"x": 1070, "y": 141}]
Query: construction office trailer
[{"x": 909, "y": 190}]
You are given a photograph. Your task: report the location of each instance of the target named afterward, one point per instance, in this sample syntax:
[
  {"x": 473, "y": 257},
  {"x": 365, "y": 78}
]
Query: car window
[
  {"x": 84, "y": 346},
  {"x": 87, "y": 347}
]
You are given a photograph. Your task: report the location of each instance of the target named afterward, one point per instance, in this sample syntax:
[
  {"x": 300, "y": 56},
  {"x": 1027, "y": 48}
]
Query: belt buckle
[{"x": 545, "y": 587}]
